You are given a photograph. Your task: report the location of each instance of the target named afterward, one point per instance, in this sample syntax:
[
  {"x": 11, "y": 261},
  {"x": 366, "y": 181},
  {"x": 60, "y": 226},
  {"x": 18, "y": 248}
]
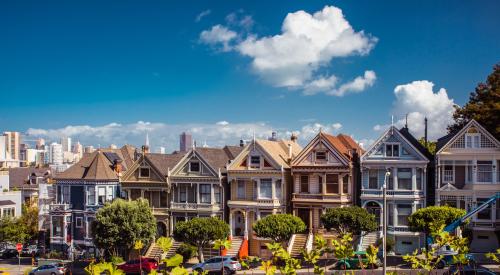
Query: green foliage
[
  {"x": 430, "y": 219},
  {"x": 200, "y": 232},
  {"x": 164, "y": 243},
  {"x": 268, "y": 267},
  {"x": 187, "y": 251},
  {"x": 371, "y": 255},
  {"x": 389, "y": 243},
  {"x": 138, "y": 245},
  {"x": 22, "y": 229},
  {"x": 103, "y": 268},
  {"x": 279, "y": 227},
  {"x": 280, "y": 254},
  {"x": 430, "y": 146},
  {"x": 483, "y": 106},
  {"x": 173, "y": 261},
  {"x": 352, "y": 219},
  {"x": 319, "y": 249},
  {"x": 222, "y": 244},
  {"x": 122, "y": 223},
  {"x": 117, "y": 260},
  {"x": 342, "y": 247},
  {"x": 179, "y": 270},
  {"x": 55, "y": 255},
  {"x": 493, "y": 256}
]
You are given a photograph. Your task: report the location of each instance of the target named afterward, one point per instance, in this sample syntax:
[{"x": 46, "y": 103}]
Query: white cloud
[
  {"x": 308, "y": 43},
  {"x": 202, "y": 14},
  {"x": 167, "y": 135},
  {"x": 239, "y": 19},
  {"x": 218, "y": 34},
  {"x": 418, "y": 100}
]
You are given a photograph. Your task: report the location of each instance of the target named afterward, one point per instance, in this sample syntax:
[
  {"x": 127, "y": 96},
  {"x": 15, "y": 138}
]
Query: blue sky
[{"x": 104, "y": 67}]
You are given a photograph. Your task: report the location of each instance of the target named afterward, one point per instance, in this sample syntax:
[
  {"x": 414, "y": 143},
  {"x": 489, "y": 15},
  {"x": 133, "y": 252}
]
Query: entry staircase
[
  {"x": 297, "y": 244},
  {"x": 367, "y": 240},
  {"x": 155, "y": 252},
  {"x": 235, "y": 246}
]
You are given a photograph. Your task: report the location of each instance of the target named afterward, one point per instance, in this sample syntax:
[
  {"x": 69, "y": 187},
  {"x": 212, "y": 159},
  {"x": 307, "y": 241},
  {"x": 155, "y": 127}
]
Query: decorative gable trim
[
  {"x": 187, "y": 159},
  {"x": 460, "y": 136},
  {"x": 243, "y": 155},
  {"x": 448, "y": 187},
  {"x": 319, "y": 138},
  {"x": 141, "y": 162},
  {"x": 387, "y": 136}
]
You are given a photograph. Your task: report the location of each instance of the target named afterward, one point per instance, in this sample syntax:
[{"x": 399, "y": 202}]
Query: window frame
[
  {"x": 304, "y": 184},
  {"x": 370, "y": 177},
  {"x": 191, "y": 166},
  {"x": 323, "y": 159},
  {"x": 392, "y": 145},
  {"x": 335, "y": 185},
  {"x": 144, "y": 168},
  {"x": 81, "y": 222},
  {"x": 240, "y": 189},
  {"x": 406, "y": 170},
  {"x": 266, "y": 181},
  {"x": 205, "y": 196},
  {"x": 252, "y": 158}
]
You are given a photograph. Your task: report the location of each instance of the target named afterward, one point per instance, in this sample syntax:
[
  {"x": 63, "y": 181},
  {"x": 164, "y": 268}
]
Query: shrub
[
  {"x": 391, "y": 242},
  {"x": 117, "y": 260},
  {"x": 187, "y": 251}
]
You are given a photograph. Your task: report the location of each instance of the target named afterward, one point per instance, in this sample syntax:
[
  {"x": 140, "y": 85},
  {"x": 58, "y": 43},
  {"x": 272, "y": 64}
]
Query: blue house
[{"x": 398, "y": 152}]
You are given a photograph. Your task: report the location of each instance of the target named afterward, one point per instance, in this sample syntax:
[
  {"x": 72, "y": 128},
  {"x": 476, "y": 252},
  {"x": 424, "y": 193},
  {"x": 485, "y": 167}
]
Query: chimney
[
  {"x": 117, "y": 166},
  {"x": 289, "y": 151},
  {"x": 145, "y": 149},
  {"x": 273, "y": 136},
  {"x": 293, "y": 138},
  {"x": 242, "y": 143},
  {"x": 425, "y": 131}
]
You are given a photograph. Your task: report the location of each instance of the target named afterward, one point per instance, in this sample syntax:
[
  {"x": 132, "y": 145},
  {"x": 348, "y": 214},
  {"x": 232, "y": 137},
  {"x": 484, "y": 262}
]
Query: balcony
[
  {"x": 335, "y": 198},
  {"x": 194, "y": 206},
  {"x": 395, "y": 193},
  {"x": 60, "y": 207},
  {"x": 163, "y": 211},
  {"x": 256, "y": 202}
]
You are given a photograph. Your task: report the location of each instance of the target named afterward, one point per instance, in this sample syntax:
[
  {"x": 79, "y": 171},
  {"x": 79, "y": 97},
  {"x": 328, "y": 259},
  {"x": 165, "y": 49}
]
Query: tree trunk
[{"x": 200, "y": 254}]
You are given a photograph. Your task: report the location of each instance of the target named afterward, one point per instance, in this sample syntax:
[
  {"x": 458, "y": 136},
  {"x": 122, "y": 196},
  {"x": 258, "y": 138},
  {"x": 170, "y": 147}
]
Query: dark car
[
  {"x": 134, "y": 266},
  {"x": 469, "y": 270},
  {"x": 8, "y": 253}
]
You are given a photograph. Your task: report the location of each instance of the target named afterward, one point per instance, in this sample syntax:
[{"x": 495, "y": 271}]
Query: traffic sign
[{"x": 19, "y": 247}]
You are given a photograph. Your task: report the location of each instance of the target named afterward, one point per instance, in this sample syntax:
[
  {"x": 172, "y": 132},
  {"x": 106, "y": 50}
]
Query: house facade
[
  {"x": 80, "y": 191},
  {"x": 400, "y": 154},
  {"x": 468, "y": 173},
  {"x": 259, "y": 179},
  {"x": 324, "y": 175}
]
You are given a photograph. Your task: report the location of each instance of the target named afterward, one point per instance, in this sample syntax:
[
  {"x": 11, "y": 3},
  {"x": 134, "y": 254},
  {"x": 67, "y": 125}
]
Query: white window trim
[
  {"x": 472, "y": 135},
  {"x": 81, "y": 222},
  {"x": 326, "y": 155},
  {"x": 255, "y": 165},
  {"x": 392, "y": 144}
]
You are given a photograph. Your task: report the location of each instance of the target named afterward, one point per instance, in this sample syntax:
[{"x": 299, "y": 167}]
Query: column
[
  {"x": 231, "y": 226},
  {"x": 245, "y": 217},
  {"x": 494, "y": 172},
  {"x": 394, "y": 214},
  {"x": 323, "y": 185},
  {"x": 258, "y": 187},
  {"x": 258, "y": 214},
  {"x": 394, "y": 175},
  {"x": 474, "y": 171},
  {"x": 129, "y": 194},
  {"x": 414, "y": 178},
  {"x": 310, "y": 220},
  {"x": 171, "y": 225},
  {"x": 273, "y": 189},
  {"x": 341, "y": 183},
  {"x": 212, "y": 194},
  {"x": 142, "y": 193},
  {"x": 197, "y": 193}
]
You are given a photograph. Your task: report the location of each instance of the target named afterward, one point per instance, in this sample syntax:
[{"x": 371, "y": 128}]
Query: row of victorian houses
[{"x": 242, "y": 184}]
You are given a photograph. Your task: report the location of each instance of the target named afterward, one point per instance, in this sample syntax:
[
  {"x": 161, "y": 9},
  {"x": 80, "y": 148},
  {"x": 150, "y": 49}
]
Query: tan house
[
  {"x": 259, "y": 178},
  {"x": 324, "y": 175},
  {"x": 468, "y": 173}
]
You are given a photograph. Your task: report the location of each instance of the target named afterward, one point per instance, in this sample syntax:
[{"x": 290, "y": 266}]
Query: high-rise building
[
  {"x": 12, "y": 144},
  {"x": 66, "y": 144},
  {"x": 40, "y": 143},
  {"x": 186, "y": 142},
  {"x": 161, "y": 150},
  {"x": 55, "y": 153},
  {"x": 88, "y": 149},
  {"x": 78, "y": 149},
  {"x": 3, "y": 148}
]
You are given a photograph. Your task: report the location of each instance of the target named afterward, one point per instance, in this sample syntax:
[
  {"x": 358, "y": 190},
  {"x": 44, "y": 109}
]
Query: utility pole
[{"x": 384, "y": 237}]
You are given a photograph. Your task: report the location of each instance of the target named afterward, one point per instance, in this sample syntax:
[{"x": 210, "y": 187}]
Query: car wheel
[
  {"x": 342, "y": 266},
  {"x": 227, "y": 270},
  {"x": 199, "y": 270},
  {"x": 53, "y": 273}
]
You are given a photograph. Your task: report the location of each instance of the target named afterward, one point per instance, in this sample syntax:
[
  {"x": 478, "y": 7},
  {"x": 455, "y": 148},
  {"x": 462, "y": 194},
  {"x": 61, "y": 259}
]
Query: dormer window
[
  {"x": 472, "y": 140},
  {"x": 321, "y": 156},
  {"x": 194, "y": 166},
  {"x": 255, "y": 161},
  {"x": 144, "y": 172},
  {"x": 392, "y": 150}
]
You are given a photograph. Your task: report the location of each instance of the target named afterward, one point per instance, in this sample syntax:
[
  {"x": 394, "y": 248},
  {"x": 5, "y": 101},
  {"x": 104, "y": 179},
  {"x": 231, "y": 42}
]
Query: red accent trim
[{"x": 243, "y": 252}]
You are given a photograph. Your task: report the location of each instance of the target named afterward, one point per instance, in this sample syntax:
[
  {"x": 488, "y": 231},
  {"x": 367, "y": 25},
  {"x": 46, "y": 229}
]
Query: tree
[
  {"x": 200, "y": 232},
  {"x": 279, "y": 227},
  {"x": 430, "y": 146},
  {"x": 120, "y": 224},
  {"x": 483, "y": 106},
  {"x": 22, "y": 229},
  {"x": 430, "y": 219},
  {"x": 353, "y": 219}
]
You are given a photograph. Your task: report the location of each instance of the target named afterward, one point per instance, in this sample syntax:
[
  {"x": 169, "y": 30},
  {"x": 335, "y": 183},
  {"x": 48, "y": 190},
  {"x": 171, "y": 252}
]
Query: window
[
  {"x": 265, "y": 189},
  {"x": 66, "y": 191},
  {"x": 419, "y": 178},
  {"x": 484, "y": 171},
  {"x": 392, "y": 150},
  {"x": 144, "y": 172},
  {"x": 278, "y": 189},
  {"x": 79, "y": 222},
  {"x": 109, "y": 193},
  {"x": 194, "y": 166},
  {"x": 90, "y": 195},
  {"x": 304, "y": 184},
  {"x": 448, "y": 173},
  {"x": 321, "y": 155},
  {"x": 8, "y": 212},
  {"x": 391, "y": 214},
  {"x": 390, "y": 181},
  {"x": 57, "y": 226},
  {"x": 345, "y": 184},
  {"x": 332, "y": 183},
  {"x": 404, "y": 178},
  {"x": 241, "y": 189},
  {"x": 101, "y": 195},
  {"x": 217, "y": 193},
  {"x": 205, "y": 193},
  {"x": 255, "y": 161},
  {"x": 373, "y": 179},
  {"x": 182, "y": 193},
  {"x": 404, "y": 210},
  {"x": 486, "y": 213},
  {"x": 472, "y": 140}
]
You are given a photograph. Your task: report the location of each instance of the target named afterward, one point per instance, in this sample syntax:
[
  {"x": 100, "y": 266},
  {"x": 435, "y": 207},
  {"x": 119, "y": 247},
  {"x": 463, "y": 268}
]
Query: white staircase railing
[
  {"x": 290, "y": 244},
  {"x": 309, "y": 242}
]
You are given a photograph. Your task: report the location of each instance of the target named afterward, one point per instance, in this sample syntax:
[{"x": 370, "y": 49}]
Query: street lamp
[{"x": 384, "y": 237}]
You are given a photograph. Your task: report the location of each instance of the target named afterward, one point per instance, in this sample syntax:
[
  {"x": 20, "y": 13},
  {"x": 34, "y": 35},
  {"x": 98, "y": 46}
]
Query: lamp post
[{"x": 384, "y": 237}]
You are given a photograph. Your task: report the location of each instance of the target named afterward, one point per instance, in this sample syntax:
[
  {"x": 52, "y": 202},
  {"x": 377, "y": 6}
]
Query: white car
[
  {"x": 49, "y": 269},
  {"x": 231, "y": 265}
]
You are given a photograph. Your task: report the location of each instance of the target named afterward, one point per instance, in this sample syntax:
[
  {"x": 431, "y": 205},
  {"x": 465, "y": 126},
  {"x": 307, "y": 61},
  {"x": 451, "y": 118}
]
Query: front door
[
  {"x": 304, "y": 216},
  {"x": 374, "y": 208}
]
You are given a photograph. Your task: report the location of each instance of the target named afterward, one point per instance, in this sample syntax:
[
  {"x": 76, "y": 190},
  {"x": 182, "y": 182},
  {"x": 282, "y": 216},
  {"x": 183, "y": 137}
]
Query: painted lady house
[
  {"x": 398, "y": 152},
  {"x": 468, "y": 173}
]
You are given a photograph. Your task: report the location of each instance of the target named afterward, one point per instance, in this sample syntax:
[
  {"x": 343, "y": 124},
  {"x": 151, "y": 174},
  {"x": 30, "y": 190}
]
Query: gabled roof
[
  {"x": 19, "y": 177},
  {"x": 165, "y": 162},
  {"x": 276, "y": 151},
  {"x": 447, "y": 140},
  {"x": 7, "y": 202},
  {"x": 95, "y": 166},
  {"x": 344, "y": 144},
  {"x": 406, "y": 133},
  {"x": 218, "y": 158}
]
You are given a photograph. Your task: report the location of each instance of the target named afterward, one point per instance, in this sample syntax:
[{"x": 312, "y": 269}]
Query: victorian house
[
  {"x": 400, "y": 161},
  {"x": 468, "y": 173},
  {"x": 198, "y": 183},
  {"x": 324, "y": 176},
  {"x": 80, "y": 191},
  {"x": 259, "y": 179}
]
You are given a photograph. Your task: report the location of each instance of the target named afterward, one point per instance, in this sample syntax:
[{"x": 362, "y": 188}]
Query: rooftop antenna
[
  {"x": 392, "y": 124},
  {"x": 147, "y": 139},
  {"x": 253, "y": 140},
  {"x": 406, "y": 121},
  {"x": 425, "y": 131}
]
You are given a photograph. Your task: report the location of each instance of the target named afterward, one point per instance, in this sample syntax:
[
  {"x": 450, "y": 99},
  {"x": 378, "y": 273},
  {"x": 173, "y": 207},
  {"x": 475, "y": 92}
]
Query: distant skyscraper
[
  {"x": 161, "y": 150},
  {"x": 66, "y": 144},
  {"x": 55, "y": 153},
  {"x": 3, "y": 148},
  {"x": 78, "y": 149},
  {"x": 88, "y": 149},
  {"x": 12, "y": 145},
  {"x": 112, "y": 146},
  {"x": 40, "y": 143},
  {"x": 186, "y": 142}
]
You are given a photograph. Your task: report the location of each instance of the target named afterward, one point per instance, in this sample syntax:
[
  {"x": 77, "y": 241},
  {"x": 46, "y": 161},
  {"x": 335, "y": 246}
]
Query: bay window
[
  {"x": 205, "y": 193},
  {"x": 404, "y": 210},
  {"x": 373, "y": 179},
  {"x": 101, "y": 195},
  {"x": 241, "y": 189},
  {"x": 332, "y": 183},
  {"x": 90, "y": 195},
  {"x": 484, "y": 171},
  {"x": 217, "y": 193},
  {"x": 278, "y": 189},
  {"x": 404, "y": 179},
  {"x": 182, "y": 193},
  {"x": 345, "y": 184},
  {"x": 304, "y": 184},
  {"x": 265, "y": 189},
  {"x": 419, "y": 178}
]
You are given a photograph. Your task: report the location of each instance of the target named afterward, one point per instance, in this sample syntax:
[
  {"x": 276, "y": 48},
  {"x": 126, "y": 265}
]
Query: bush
[
  {"x": 187, "y": 251},
  {"x": 391, "y": 242},
  {"x": 55, "y": 255},
  {"x": 117, "y": 260}
]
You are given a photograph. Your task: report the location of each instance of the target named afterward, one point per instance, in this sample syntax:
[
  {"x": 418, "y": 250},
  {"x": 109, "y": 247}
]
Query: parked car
[
  {"x": 49, "y": 269},
  {"x": 231, "y": 265},
  {"x": 448, "y": 254},
  {"x": 469, "y": 270},
  {"x": 355, "y": 262},
  {"x": 134, "y": 266},
  {"x": 8, "y": 253},
  {"x": 29, "y": 250}
]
